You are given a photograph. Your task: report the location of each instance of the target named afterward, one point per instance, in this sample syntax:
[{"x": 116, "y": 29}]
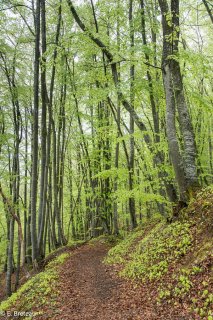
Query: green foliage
[
  {"x": 161, "y": 247},
  {"x": 154, "y": 253},
  {"x": 164, "y": 294},
  {"x": 203, "y": 307},
  {"x": 38, "y": 290},
  {"x": 57, "y": 261},
  {"x": 118, "y": 253},
  {"x": 196, "y": 269},
  {"x": 177, "y": 255},
  {"x": 201, "y": 304},
  {"x": 121, "y": 173},
  {"x": 3, "y": 238},
  {"x": 3, "y": 245},
  {"x": 183, "y": 286}
]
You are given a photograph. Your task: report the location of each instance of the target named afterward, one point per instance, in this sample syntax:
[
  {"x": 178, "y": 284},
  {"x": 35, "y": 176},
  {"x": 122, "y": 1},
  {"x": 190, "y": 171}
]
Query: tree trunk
[
  {"x": 44, "y": 155},
  {"x": 184, "y": 165},
  {"x": 131, "y": 126},
  {"x": 10, "y": 259},
  {"x": 34, "y": 177}
]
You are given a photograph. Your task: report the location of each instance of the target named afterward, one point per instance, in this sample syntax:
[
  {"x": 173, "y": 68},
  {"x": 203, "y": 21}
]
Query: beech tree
[{"x": 184, "y": 164}]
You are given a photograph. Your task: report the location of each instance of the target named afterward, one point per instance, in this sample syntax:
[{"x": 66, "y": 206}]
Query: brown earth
[{"x": 89, "y": 290}]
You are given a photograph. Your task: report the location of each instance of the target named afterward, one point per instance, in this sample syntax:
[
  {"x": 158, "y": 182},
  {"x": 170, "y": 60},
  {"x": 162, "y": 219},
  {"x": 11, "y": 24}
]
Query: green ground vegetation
[
  {"x": 176, "y": 256},
  {"x": 38, "y": 291}
]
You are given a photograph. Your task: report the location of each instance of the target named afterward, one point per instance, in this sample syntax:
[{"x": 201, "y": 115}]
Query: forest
[{"x": 105, "y": 120}]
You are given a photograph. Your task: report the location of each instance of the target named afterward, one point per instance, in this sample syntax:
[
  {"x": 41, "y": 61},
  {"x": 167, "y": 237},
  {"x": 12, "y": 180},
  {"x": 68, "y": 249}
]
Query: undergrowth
[
  {"x": 190, "y": 283},
  {"x": 176, "y": 258},
  {"x": 118, "y": 253},
  {"x": 161, "y": 247},
  {"x": 151, "y": 257},
  {"x": 38, "y": 291}
]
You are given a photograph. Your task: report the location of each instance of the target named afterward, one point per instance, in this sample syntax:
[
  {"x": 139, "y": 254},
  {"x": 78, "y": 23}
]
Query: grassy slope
[
  {"x": 41, "y": 289},
  {"x": 176, "y": 257},
  {"x": 36, "y": 292}
]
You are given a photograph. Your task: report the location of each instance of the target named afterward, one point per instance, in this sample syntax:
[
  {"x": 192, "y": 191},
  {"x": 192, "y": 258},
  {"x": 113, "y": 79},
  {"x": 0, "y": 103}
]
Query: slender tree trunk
[
  {"x": 44, "y": 154},
  {"x": 25, "y": 182},
  {"x": 10, "y": 259},
  {"x": 131, "y": 127},
  {"x": 71, "y": 200},
  {"x": 49, "y": 163},
  {"x": 34, "y": 183}
]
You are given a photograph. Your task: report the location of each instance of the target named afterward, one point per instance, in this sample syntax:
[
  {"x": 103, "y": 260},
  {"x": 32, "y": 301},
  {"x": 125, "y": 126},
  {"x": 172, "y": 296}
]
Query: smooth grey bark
[
  {"x": 106, "y": 191},
  {"x": 16, "y": 191},
  {"x": 44, "y": 155},
  {"x": 51, "y": 216},
  {"x": 155, "y": 114},
  {"x": 26, "y": 182},
  {"x": 72, "y": 208},
  {"x": 184, "y": 165},
  {"x": 174, "y": 148},
  {"x": 190, "y": 152},
  {"x": 116, "y": 163},
  {"x": 34, "y": 175},
  {"x": 131, "y": 125},
  {"x": 159, "y": 157},
  {"x": 57, "y": 215},
  {"x": 117, "y": 117},
  {"x": 61, "y": 145}
]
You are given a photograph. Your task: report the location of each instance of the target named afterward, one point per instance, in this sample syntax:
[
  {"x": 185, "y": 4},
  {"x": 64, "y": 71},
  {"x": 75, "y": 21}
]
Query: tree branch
[
  {"x": 15, "y": 6},
  {"x": 206, "y": 4},
  {"x": 114, "y": 70}
]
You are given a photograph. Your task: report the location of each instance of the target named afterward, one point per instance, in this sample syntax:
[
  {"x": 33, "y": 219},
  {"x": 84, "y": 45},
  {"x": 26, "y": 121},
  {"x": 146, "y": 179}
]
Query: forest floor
[
  {"x": 90, "y": 290},
  {"x": 75, "y": 284}
]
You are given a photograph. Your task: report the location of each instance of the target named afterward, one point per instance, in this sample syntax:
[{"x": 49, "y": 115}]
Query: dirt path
[
  {"x": 89, "y": 290},
  {"x": 88, "y": 286}
]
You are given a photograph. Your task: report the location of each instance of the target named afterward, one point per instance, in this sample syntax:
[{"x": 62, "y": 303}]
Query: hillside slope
[{"x": 173, "y": 262}]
